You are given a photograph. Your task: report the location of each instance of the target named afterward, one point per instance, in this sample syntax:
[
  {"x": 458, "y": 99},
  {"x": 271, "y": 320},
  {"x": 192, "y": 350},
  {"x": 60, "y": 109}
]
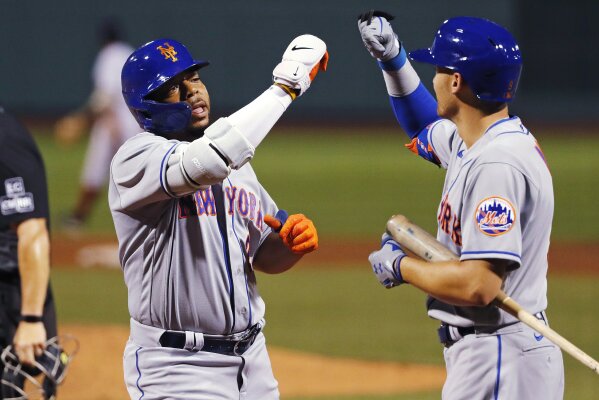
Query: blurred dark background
[{"x": 49, "y": 48}]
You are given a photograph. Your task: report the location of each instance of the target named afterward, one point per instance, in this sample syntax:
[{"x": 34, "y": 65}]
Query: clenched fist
[
  {"x": 304, "y": 57},
  {"x": 296, "y": 231},
  {"x": 386, "y": 262},
  {"x": 378, "y": 36}
]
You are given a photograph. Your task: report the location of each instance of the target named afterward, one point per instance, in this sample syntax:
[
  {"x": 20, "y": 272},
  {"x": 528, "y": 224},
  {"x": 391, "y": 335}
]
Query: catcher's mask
[{"x": 39, "y": 381}]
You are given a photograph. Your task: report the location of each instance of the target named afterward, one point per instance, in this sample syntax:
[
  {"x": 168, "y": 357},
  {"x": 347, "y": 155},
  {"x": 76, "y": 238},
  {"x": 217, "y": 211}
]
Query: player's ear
[
  {"x": 457, "y": 82},
  {"x": 460, "y": 89}
]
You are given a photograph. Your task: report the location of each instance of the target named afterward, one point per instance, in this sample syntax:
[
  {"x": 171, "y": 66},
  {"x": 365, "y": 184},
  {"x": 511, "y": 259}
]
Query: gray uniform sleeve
[
  {"x": 440, "y": 139},
  {"x": 138, "y": 171},
  {"x": 491, "y": 215}
]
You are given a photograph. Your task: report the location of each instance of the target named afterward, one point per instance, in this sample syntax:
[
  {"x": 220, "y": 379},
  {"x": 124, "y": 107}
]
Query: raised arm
[
  {"x": 230, "y": 142},
  {"x": 412, "y": 103},
  {"x": 170, "y": 102}
]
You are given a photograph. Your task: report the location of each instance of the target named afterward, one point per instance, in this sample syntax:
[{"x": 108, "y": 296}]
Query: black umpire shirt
[{"x": 23, "y": 189}]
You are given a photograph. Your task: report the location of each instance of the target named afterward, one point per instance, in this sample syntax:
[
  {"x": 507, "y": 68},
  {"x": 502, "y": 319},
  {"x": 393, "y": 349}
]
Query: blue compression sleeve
[
  {"x": 395, "y": 63},
  {"x": 415, "y": 111}
]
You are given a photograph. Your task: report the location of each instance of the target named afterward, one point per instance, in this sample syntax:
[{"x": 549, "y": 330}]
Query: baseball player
[
  {"x": 27, "y": 315},
  {"x": 194, "y": 224},
  {"x": 112, "y": 121},
  {"x": 495, "y": 211}
]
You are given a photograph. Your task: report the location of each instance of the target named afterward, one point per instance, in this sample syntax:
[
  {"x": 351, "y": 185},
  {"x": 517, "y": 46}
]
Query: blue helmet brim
[
  {"x": 196, "y": 65},
  {"x": 200, "y": 64},
  {"x": 422, "y": 55}
]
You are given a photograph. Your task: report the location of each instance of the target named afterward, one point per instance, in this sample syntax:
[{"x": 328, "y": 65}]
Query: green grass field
[{"x": 349, "y": 183}]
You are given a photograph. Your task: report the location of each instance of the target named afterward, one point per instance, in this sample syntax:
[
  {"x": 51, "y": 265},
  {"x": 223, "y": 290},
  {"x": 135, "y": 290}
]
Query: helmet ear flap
[
  {"x": 167, "y": 117},
  {"x": 161, "y": 118}
]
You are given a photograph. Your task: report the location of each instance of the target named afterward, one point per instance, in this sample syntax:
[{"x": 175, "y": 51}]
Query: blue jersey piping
[
  {"x": 493, "y": 252},
  {"x": 247, "y": 289},
  {"x": 139, "y": 373},
  {"x": 229, "y": 277},
  {"x": 501, "y": 121},
  {"x": 429, "y": 133},
  {"x": 162, "y": 168},
  {"x": 496, "y": 391},
  {"x": 458, "y": 175}
]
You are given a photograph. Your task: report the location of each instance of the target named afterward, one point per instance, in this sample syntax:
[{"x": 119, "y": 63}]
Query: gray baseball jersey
[
  {"x": 171, "y": 249},
  {"x": 497, "y": 203}
]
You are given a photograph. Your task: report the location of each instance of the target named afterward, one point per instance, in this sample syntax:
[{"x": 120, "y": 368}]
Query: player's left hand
[
  {"x": 304, "y": 57},
  {"x": 378, "y": 36},
  {"x": 296, "y": 231},
  {"x": 29, "y": 341},
  {"x": 386, "y": 262}
]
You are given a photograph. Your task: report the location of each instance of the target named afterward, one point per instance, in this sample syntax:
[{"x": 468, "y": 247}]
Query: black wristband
[{"x": 31, "y": 318}]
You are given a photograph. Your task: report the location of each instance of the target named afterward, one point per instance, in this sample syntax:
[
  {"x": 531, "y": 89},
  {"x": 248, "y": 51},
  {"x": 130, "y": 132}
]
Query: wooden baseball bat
[{"x": 424, "y": 245}]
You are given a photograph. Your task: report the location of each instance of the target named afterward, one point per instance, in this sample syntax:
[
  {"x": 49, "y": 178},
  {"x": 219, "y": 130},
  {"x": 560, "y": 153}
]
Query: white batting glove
[
  {"x": 378, "y": 36},
  {"x": 386, "y": 262},
  {"x": 304, "y": 57}
]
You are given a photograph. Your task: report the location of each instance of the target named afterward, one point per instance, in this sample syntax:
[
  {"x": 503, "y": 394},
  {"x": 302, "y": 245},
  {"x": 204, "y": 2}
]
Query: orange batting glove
[
  {"x": 321, "y": 66},
  {"x": 296, "y": 231}
]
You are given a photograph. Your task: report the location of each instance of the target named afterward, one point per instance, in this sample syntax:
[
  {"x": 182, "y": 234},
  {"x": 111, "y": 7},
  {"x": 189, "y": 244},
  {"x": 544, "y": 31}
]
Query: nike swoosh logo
[
  {"x": 296, "y": 47},
  {"x": 295, "y": 73},
  {"x": 538, "y": 337}
]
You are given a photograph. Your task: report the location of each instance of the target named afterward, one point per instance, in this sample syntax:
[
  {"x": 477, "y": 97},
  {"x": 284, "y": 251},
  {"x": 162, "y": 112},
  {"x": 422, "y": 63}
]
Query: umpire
[{"x": 27, "y": 315}]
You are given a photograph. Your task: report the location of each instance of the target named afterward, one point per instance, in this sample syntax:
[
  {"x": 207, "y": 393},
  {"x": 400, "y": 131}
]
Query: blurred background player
[
  {"x": 27, "y": 315},
  {"x": 495, "y": 211},
  {"x": 110, "y": 120}
]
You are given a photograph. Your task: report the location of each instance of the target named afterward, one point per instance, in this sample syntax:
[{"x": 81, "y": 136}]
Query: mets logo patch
[
  {"x": 495, "y": 216},
  {"x": 168, "y": 52}
]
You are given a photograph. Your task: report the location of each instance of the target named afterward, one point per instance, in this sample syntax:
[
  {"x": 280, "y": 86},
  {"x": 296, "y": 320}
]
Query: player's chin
[
  {"x": 444, "y": 112},
  {"x": 199, "y": 122},
  {"x": 447, "y": 109}
]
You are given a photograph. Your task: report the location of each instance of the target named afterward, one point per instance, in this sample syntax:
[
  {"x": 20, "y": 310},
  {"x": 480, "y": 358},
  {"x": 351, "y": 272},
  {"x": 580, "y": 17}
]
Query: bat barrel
[{"x": 417, "y": 240}]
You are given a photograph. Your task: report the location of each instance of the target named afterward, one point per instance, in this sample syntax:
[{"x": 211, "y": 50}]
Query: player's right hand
[
  {"x": 304, "y": 57},
  {"x": 378, "y": 36},
  {"x": 297, "y": 232},
  {"x": 386, "y": 262},
  {"x": 29, "y": 341}
]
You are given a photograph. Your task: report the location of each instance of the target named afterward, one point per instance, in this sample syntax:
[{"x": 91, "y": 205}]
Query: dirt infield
[
  {"x": 92, "y": 251},
  {"x": 97, "y": 374}
]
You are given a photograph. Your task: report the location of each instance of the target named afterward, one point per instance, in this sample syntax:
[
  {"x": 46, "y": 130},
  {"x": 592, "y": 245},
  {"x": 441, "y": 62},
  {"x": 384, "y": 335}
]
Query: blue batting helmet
[
  {"x": 148, "y": 68},
  {"x": 485, "y": 53}
]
